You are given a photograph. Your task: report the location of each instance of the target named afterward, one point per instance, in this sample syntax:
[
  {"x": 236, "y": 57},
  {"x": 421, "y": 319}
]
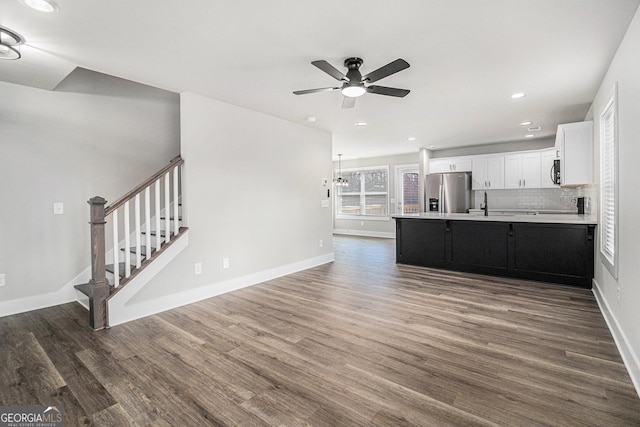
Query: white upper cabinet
[
  {"x": 546, "y": 168},
  {"x": 451, "y": 164},
  {"x": 488, "y": 173},
  {"x": 522, "y": 170},
  {"x": 574, "y": 141}
]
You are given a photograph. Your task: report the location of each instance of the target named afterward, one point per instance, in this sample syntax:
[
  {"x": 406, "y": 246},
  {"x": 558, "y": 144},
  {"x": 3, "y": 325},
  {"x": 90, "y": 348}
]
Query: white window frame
[
  {"x": 400, "y": 171},
  {"x": 609, "y": 183},
  {"x": 362, "y": 194}
]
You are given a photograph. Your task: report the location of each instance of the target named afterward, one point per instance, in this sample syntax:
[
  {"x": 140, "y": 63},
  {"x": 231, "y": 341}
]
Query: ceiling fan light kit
[
  {"x": 45, "y": 6},
  {"x": 10, "y": 42},
  {"x": 354, "y": 84}
]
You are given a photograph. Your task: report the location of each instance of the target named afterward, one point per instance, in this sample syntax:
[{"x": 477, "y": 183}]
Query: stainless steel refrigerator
[{"x": 448, "y": 192}]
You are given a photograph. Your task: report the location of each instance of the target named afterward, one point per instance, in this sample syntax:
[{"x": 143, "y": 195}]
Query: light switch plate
[
  {"x": 324, "y": 203},
  {"x": 3, "y": 280}
]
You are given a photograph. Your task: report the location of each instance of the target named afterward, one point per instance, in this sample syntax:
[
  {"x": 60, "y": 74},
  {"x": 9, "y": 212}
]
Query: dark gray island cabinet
[{"x": 545, "y": 249}]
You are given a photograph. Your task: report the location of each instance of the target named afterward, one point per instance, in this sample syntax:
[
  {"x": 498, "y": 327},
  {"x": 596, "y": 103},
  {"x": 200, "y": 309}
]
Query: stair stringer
[{"x": 118, "y": 311}]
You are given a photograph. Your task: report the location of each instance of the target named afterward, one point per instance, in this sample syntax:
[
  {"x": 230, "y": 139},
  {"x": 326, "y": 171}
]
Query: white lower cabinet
[{"x": 522, "y": 170}]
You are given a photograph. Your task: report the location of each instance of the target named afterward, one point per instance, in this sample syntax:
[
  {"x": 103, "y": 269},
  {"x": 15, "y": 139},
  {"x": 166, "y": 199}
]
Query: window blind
[{"x": 608, "y": 202}]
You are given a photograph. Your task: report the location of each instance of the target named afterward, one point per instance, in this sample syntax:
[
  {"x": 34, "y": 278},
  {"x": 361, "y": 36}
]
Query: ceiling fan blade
[
  {"x": 348, "y": 102},
  {"x": 330, "y": 69},
  {"x": 387, "y": 70},
  {"x": 324, "y": 89},
  {"x": 389, "y": 91}
]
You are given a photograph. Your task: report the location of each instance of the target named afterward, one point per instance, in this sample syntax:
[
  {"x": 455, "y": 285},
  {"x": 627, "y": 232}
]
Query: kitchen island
[{"x": 556, "y": 248}]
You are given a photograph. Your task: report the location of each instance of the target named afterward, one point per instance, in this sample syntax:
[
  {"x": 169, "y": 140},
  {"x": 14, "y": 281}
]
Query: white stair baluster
[
  {"x": 167, "y": 211},
  {"x": 116, "y": 249},
  {"x": 176, "y": 222},
  {"x": 147, "y": 221},
  {"x": 157, "y": 214},
  {"x": 137, "y": 231},
  {"x": 127, "y": 241}
]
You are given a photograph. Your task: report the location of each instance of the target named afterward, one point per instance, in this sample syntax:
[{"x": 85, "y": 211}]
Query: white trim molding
[
  {"x": 630, "y": 359},
  {"x": 121, "y": 310},
  {"x": 364, "y": 233},
  {"x": 64, "y": 295}
]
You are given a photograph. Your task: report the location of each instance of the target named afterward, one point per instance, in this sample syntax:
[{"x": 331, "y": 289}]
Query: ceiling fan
[{"x": 355, "y": 84}]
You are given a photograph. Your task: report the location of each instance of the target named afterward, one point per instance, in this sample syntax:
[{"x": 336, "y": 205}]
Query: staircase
[{"x": 142, "y": 225}]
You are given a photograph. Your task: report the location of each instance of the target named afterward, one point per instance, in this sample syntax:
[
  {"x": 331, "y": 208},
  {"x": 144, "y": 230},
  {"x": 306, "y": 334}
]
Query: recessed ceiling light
[
  {"x": 518, "y": 95},
  {"x": 311, "y": 119},
  {"x": 526, "y": 123},
  {"x": 431, "y": 147},
  {"x": 534, "y": 129},
  {"x": 528, "y": 136},
  {"x": 411, "y": 139},
  {"x": 46, "y": 6},
  {"x": 361, "y": 124}
]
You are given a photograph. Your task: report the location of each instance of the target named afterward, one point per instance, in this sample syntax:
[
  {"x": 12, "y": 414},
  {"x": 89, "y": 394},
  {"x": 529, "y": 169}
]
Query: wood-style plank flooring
[{"x": 358, "y": 342}]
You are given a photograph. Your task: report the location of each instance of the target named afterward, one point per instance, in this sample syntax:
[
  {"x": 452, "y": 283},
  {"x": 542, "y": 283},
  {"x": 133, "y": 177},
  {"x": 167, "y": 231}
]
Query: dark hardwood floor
[{"x": 358, "y": 342}]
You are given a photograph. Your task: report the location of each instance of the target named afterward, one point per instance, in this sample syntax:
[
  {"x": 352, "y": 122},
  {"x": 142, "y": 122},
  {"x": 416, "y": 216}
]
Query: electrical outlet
[
  {"x": 361, "y": 223},
  {"x": 198, "y": 268},
  {"x": 320, "y": 243},
  {"x": 3, "y": 281},
  {"x": 58, "y": 208},
  {"x": 225, "y": 262}
]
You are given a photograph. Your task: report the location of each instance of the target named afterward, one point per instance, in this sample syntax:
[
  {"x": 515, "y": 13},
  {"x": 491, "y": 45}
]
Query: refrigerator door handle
[{"x": 441, "y": 197}]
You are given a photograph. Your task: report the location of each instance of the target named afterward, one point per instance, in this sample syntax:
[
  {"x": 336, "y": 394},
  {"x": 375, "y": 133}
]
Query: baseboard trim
[
  {"x": 630, "y": 359},
  {"x": 364, "y": 233},
  {"x": 64, "y": 295},
  {"x": 118, "y": 309},
  {"x": 147, "y": 308}
]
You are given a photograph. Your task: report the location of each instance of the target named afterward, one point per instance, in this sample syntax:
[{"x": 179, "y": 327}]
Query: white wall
[
  {"x": 496, "y": 147},
  {"x": 67, "y": 147},
  {"x": 623, "y": 314},
  {"x": 253, "y": 192},
  {"x": 376, "y": 228}
]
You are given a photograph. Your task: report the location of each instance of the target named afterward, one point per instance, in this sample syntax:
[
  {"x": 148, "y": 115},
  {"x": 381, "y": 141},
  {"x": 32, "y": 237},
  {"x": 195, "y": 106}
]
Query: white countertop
[{"x": 540, "y": 218}]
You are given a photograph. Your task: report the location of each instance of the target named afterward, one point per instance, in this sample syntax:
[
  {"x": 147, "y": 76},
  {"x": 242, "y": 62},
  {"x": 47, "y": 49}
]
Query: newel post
[{"x": 99, "y": 283}]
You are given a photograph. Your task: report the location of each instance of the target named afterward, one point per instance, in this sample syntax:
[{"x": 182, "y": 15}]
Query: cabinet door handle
[
  {"x": 524, "y": 182},
  {"x": 520, "y": 183},
  {"x": 489, "y": 184}
]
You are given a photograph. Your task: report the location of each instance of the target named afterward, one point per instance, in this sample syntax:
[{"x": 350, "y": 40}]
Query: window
[
  {"x": 366, "y": 195},
  {"x": 609, "y": 185}
]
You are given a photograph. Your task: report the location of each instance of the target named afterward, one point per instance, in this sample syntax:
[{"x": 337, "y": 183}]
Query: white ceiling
[{"x": 466, "y": 56}]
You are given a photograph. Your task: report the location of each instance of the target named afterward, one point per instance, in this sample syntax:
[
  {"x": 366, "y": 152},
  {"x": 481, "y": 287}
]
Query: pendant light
[
  {"x": 10, "y": 44},
  {"x": 339, "y": 181}
]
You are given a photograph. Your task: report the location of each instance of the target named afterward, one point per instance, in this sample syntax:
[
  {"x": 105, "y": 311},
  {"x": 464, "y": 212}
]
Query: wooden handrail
[{"x": 176, "y": 161}]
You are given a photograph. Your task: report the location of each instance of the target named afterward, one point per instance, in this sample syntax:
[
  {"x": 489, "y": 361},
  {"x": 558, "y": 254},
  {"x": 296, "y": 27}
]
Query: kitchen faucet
[{"x": 486, "y": 206}]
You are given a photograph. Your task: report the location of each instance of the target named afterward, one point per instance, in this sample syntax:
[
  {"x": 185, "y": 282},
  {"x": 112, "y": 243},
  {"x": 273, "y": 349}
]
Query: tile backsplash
[{"x": 540, "y": 199}]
